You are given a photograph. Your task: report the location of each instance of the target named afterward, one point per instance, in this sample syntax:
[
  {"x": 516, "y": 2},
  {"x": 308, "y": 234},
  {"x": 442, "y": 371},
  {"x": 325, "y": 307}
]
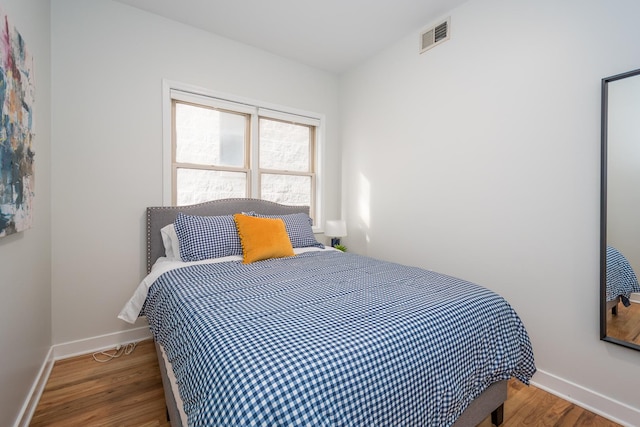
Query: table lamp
[{"x": 335, "y": 228}]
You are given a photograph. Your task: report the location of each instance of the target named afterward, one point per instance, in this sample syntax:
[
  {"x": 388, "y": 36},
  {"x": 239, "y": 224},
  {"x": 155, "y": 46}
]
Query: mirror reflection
[{"x": 620, "y": 245}]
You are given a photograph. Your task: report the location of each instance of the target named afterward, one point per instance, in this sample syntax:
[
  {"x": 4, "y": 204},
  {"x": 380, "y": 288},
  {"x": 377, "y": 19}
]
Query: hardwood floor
[
  {"x": 531, "y": 406},
  {"x": 127, "y": 391},
  {"x": 626, "y": 324}
]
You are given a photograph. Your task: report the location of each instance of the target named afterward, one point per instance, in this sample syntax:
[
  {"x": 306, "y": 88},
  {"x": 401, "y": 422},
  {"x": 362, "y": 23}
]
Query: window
[
  {"x": 210, "y": 149},
  {"x": 223, "y": 148},
  {"x": 286, "y": 162}
]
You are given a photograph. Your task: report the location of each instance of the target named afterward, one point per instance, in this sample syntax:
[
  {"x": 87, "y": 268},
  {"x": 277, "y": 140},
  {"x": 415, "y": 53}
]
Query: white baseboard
[
  {"x": 597, "y": 403},
  {"x": 30, "y": 404},
  {"x": 71, "y": 349},
  {"x": 102, "y": 342}
]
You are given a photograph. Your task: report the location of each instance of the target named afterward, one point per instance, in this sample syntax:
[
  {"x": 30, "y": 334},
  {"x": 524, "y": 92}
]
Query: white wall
[
  {"x": 108, "y": 62},
  {"x": 25, "y": 257},
  {"x": 480, "y": 159}
]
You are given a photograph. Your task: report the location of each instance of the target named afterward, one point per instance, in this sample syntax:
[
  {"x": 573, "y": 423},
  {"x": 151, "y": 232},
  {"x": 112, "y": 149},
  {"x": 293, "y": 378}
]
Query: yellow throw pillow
[{"x": 262, "y": 238}]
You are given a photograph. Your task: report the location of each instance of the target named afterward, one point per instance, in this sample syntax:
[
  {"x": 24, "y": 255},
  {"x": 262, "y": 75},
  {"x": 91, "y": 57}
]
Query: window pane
[
  {"x": 284, "y": 146},
  {"x": 286, "y": 189},
  {"x": 197, "y": 186},
  {"x": 209, "y": 137}
]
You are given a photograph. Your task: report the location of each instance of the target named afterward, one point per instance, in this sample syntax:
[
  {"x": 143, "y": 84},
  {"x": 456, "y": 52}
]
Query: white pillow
[{"x": 170, "y": 241}]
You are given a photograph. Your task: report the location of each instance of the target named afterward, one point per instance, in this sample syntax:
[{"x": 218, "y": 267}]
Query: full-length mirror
[{"x": 620, "y": 210}]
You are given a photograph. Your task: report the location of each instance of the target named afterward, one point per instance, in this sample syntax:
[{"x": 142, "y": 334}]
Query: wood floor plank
[
  {"x": 562, "y": 413},
  {"x": 626, "y": 324},
  {"x": 531, "y": 406},
  {"x": 127, "y": 391}
]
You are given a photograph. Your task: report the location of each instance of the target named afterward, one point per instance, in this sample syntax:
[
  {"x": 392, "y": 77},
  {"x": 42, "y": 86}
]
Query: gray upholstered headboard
[{"x": 158, "y": 217}]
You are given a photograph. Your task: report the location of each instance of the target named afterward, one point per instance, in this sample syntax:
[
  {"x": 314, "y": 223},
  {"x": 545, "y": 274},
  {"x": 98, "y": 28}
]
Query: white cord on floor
[{"x": 120, "y": 350}]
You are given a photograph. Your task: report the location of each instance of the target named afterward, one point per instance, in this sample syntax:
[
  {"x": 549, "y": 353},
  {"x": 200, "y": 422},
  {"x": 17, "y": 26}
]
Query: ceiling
[{"x": 332, "y": 35}]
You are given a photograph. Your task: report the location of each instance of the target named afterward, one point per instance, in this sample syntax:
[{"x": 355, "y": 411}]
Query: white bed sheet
[{"x": 131, "y": 309}]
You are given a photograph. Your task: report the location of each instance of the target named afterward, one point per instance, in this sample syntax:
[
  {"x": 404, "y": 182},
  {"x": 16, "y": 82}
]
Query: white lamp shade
[{"x": 335, "y": 228}]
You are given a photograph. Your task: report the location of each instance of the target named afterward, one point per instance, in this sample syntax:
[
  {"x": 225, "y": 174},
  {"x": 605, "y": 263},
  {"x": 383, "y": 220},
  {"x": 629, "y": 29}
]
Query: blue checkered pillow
[
  {"x": 298, "y": 228},
  {"x": 206, "y": 237}
]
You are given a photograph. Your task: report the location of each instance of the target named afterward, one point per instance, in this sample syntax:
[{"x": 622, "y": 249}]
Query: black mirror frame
[{"x": 603, "y": 211}]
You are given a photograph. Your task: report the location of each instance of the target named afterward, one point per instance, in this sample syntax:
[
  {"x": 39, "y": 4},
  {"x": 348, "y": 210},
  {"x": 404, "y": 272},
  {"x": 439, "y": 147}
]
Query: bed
[
  {"x": 322, "y": 337},
  {"x": 621, "y": 280}
]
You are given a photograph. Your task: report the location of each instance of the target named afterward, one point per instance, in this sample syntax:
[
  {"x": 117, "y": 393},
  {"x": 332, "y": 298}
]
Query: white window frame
[{"x": 189, "y": 93}]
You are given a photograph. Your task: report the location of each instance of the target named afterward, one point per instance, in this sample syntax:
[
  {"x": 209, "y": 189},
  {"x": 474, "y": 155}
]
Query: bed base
[
  {"x": 168, "y": 384},
  {"x": 491, "y": 401}
]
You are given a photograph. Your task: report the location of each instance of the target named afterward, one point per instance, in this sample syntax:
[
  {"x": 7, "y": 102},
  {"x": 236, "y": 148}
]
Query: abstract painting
[{"x": 16, "y": 131}]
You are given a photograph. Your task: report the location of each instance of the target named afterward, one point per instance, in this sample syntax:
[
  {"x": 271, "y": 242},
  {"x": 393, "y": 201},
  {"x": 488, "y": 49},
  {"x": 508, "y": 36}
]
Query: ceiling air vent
[{"x": 435, "y": 35}]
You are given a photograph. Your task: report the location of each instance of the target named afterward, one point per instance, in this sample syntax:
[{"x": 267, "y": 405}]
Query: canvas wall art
[{"x": 16, "y": 131}]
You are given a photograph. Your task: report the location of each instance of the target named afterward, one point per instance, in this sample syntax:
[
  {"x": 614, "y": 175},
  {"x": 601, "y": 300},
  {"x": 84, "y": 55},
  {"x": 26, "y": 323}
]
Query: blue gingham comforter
[
  {"x": 332, "y": 339},
  {"x": 621, "y": 279}
]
